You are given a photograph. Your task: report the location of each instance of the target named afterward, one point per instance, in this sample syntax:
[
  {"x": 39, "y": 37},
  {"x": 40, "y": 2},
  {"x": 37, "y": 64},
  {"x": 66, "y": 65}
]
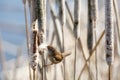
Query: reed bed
[{"x": 86, "y": 30}]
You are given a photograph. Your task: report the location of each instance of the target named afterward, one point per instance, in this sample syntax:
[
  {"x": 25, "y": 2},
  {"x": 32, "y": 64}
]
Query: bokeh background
[{"x": 12, "y": 33}]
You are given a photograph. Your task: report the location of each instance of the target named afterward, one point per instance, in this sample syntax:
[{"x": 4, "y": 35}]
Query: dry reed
[
  {"x": 27, "y": 37},
  {"x": 62, "y": 17},
  {"x": 97, "y": 43},
  {"x": 76, "y": 24},
  {"x": 115, "y": 6}
]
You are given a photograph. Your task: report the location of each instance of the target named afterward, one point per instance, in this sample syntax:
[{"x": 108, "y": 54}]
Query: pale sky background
[
  {"x": 12, "y": 27},
  {"x": 12, "y": 24}
]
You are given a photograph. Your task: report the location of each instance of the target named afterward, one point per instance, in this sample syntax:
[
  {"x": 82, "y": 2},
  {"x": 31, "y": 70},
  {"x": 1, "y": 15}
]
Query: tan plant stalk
[
  {"x": 69, "y": 18},
  {"x": 76, "y": 25},
  {"x": 62, "y": 17},
  {"x": 83, "y": 53},
  {"x": 91, "y": 20},
  {"x": 27, "y": 37},
  {"x": 117, "y": 17},
  {"x": 54, "y": 18},
  {"x": 79, "y": 39},
  {"x": 116, "y": 48},
  {"x": 109, "y": 35},
  {"x": 76, "y": 17},
  {"x": 91, "y": 53},
  {"x": 68, "y": 9},
  {"x": 94, "y": 5}
]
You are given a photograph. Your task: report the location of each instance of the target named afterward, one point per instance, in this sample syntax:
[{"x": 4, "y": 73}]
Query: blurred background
[{"x": 12, "y": 33}]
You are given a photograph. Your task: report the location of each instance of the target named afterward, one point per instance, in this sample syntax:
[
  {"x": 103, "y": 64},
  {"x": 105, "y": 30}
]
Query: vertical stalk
[
  {"x": 90, "y": 27},
  {"x": 91, "y": 20},
  {"x": 93, "y": 4},
  {"x": 38, "y": 20},
  {"x": 76, "y": 24},
  {"x": 76, "y": 17},
  {"x": 117, "y": 18},
  {"x": 62, "y": 18},
  {"x": 41, "y": 15},
  {"x": 109, "y": 72},
  {"x": 97, "y": 43},
  {"x": 55, "y": 25},
  {"x": 27, "y": 37},
  {"x": 67, "y": 7},
  {"x": 35, "y": 55},
  {"x": 109, "y": 35}
]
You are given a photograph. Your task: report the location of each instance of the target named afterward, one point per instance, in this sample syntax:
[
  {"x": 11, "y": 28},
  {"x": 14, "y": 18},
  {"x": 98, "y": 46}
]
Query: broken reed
[{"x": 109, "y": 35}]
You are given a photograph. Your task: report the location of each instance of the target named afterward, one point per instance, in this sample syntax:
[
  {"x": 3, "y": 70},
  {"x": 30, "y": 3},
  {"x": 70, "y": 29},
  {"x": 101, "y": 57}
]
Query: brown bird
[{"x": 54, "y": 55}]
